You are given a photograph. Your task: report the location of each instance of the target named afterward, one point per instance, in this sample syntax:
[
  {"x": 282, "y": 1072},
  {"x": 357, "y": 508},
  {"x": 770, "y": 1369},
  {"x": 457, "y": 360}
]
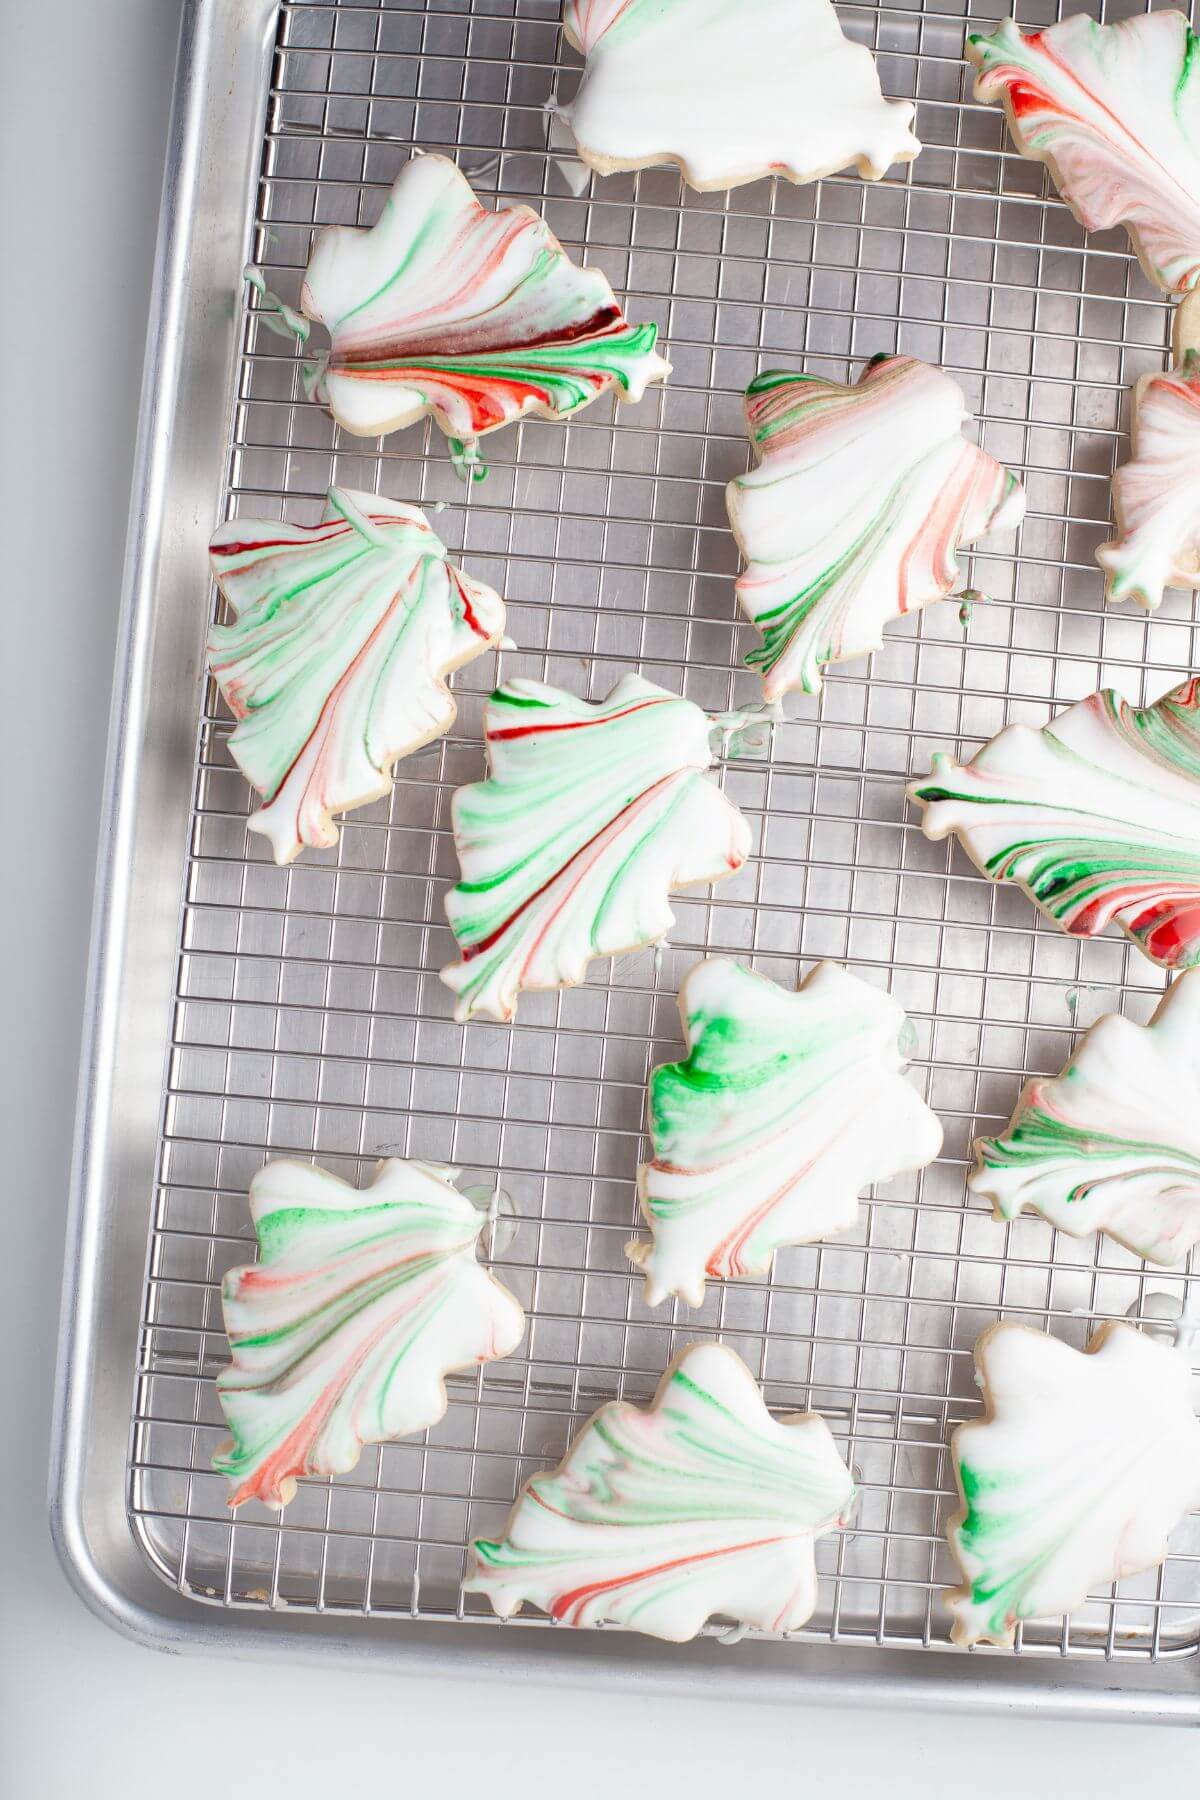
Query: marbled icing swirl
[
  {"x": 474, "y": 317},
  {"x": 785, "y": 1108},
  {"x": 1156, "y": 495},
  {"x": 658, "y": 1519},
  {"x": 1083, "y": 1464},
  {"x": 1113, "y": 1142},
  {"x": 1114, "y": 113},
  {"x": 1096, "y": 815},
  {"x": 730, "y": 93},
  {"x": 344, "y": 1330},
  {"x": 862, "y": 498},
  {"x": 592, "y": 813},
  {"x": 335, "y": 664}
]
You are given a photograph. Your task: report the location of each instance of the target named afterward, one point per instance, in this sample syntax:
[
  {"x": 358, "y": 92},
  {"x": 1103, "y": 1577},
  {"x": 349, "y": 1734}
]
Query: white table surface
[{"x": 84, "y": 86}]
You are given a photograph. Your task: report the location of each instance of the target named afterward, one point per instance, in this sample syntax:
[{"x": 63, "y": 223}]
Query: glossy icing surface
[
  {"x": 862, "y": 497},
  {"x": 1096, "y": 815},
  {"x": 786, "y": 1106},
  {"x": 1156, "y": 495},
  {"x": 362, "y": 1301},
  {"x": 661, "y": 1517},
  {"x": 1082, "y": 1465},
  {"x": 591, "y": 814},
  {"x": 1113, "y": 1143},
  {"x": 730, "y": 93},
  {"x": 1114, "y": 112},
  {"x": 471, "y": 316},
  {"x": 335, "y": 665}
]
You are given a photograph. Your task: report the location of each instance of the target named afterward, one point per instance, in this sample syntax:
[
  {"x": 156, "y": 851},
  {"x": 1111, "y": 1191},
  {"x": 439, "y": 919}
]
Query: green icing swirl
[
  {"x": 786, "y": 1106},
  {"x": 658, "y": 1519},
  {"x": 591, "y": 814}
]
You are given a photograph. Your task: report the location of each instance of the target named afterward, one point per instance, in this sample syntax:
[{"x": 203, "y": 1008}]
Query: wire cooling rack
[{"x": 309, "y": 1017}]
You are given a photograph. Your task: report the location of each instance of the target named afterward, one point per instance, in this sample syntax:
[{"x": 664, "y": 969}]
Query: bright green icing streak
[
  {"x": 864, "y": 496},
  {"x": 749, "y": 1071},
  {"x": 335, "y": 662},
  {"x": 343, "y": 1329},
  {"x": 569, "y": 847},
  {"x": 1097, "y": 815},
  {"x": 479, "y": 315},
  {"x": 1113, "y": 1142},
  {"x": 629, "y": 1525}
]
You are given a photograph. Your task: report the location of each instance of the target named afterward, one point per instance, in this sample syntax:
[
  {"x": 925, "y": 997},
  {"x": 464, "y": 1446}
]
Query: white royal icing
[
  {"x": 1156, "y": 494},
  {"x": 785, "y": 1108},
  {"x": 730, "y": 93},
  {"x": 1113, "y": 1143},
  {"x": 1082, "y": 1465},
  {"x": 660, "y": 1517}
]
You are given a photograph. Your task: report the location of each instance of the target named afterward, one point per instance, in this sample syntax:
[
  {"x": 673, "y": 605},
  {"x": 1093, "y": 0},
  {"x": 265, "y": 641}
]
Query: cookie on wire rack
[
  {"x": 786, "y": 1107},
  {"x": 1082, "y": 1465},
  {"x": 661, "y": 1517},
  {"x": 730, "y": 93}
]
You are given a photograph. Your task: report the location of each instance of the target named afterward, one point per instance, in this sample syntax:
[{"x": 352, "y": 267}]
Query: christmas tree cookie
[
  {"x": 1114, "y": 113},
  {"x": 344, "y": 1330},
  {"x": 592, "y": 813},
  {"x": 1156, "y": 494},
  {"x": 335, "y": 664},
  {"x": 861, "y": 500},
  {"x": 785, "y": 1108},
  {"x": 1113, "y": 1143},
  {"x": 1096, "y": 815},
  {"x": 660, "y": 1518},
  {"x": 472, "y": 317},
  {"x": 1082, "y": 1465},
  {"x": 730, "y": 93}
]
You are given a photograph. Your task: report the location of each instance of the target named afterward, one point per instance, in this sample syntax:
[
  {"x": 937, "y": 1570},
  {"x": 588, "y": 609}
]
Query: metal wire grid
[{"x": 309, "y": 1019}]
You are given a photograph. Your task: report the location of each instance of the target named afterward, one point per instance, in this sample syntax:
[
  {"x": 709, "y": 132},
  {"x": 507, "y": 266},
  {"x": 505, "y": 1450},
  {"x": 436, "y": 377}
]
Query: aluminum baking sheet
[{"x": 306, "y": 1013}]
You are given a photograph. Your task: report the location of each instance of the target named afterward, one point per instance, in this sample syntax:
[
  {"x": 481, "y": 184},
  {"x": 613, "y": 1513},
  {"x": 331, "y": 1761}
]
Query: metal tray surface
[{"x": 241, "y": 1011}]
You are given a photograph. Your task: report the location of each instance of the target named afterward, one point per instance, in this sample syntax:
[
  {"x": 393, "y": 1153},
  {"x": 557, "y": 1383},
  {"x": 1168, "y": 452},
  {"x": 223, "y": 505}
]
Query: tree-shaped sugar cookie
[
  {"x": 592, "y": 813},
  {"x": 862, "y": 497},
  {"x": 471, "y": 316},
  {"x": 730, "y": 93},
  {"x": 1113, "y": 1143},
  {"x": 786, "y": 1106},
  {"x": 660, "y": 1518},
  {"x": 362, "y": 1301},
  {"x": 1082, "y": 1465},
  {"x": 1114, "y": 113},
  {"x": 335, "y": 664},
  {"x": 1096, "y": 815},
  {"x": 1156, "y": 494}
]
